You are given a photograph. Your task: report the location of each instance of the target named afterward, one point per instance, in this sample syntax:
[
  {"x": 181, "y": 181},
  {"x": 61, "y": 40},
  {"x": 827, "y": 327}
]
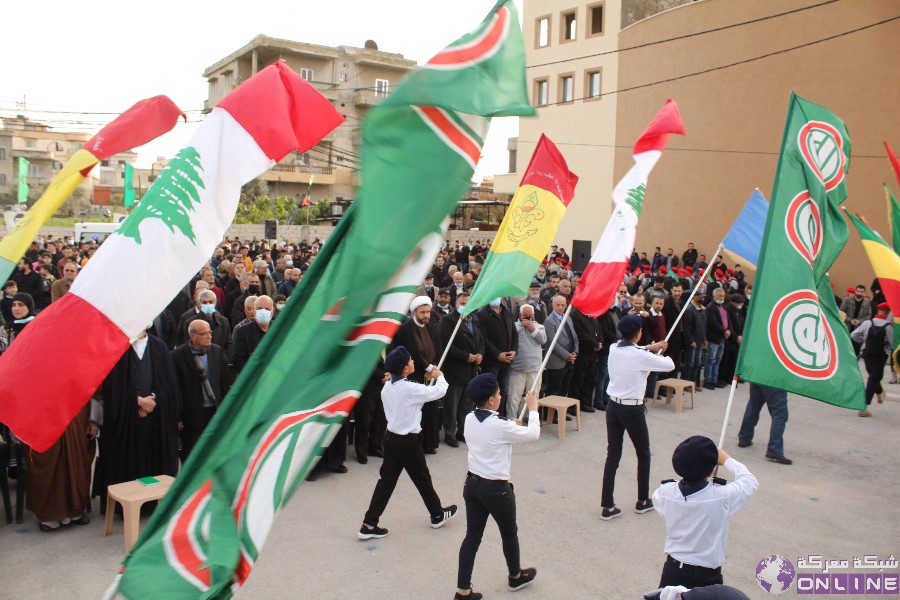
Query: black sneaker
[
  {"x": 783, "y": 460},
  {"x": 525, "y": 577},
  {"x": 588, "y": 408},
  {"x": 440, "y": 520},
  {"x": 744, "y": 444},
  {"x": 369, "y": 532},
  {"x": 472, "y": 595},
  {"x": 642, "y": 507},
  {"x": 610, "y": 513}
]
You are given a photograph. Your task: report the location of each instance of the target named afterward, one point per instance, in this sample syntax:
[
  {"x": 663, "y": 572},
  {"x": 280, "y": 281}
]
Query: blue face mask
[
  {"x": 289, "y": 263},
  {"x": 263, "y": 316},
  {"x": 495, "y": 302},
  {"x": 207, "y": 309}
]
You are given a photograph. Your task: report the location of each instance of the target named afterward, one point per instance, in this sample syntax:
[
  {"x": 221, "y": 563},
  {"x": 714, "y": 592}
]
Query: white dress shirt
[
  {"x": 697, "y": 525},
  {"x": 629, "y": 367},
  {"x": 403, "y": 400},
  {"x": 490, "y": 441}
]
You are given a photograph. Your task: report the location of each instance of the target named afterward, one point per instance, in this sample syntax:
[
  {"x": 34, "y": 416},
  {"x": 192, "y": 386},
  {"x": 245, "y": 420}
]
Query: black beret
[
  {"x": 630, "y": 324},
  {"x": 396, "y": 360},
  {"x": 695, "y": 457},
  {"x": 482, "y": 387},
  {"x": 535, "y": 283}
]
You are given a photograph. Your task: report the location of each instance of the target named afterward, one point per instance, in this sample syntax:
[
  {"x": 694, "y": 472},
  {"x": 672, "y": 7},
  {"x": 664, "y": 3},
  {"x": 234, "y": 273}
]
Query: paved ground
[{"x": 839, "y": 500}]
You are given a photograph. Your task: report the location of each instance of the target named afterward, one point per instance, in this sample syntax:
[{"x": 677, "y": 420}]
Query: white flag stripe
[{"x": 137, "y": 281}]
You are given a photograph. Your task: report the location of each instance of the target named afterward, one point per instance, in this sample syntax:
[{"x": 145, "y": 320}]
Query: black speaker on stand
[{"x": 581, "y": 255}]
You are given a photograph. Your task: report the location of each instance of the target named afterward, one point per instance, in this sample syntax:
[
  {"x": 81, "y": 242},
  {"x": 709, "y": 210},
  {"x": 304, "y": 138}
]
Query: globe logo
[{"x": 775, "y": 574}]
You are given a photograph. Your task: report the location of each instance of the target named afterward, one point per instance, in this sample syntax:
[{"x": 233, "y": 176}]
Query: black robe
[{"x": 131, "y": 446}]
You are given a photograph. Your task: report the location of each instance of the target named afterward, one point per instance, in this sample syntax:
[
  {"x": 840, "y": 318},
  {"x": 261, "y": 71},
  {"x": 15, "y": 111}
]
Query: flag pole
[
  {"x": 693, "y": 293},
  {"x": 537, "y": 379},
  {"x": 449, "y": 343},
  {"x": 734, "y": 382}
]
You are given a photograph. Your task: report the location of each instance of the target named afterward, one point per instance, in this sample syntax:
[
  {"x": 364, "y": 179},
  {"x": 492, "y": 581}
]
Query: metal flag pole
[
  {"x": 449, "y": 343},
  {"x": 734, "y": 382},
  {"x": 552, "y": 345}
]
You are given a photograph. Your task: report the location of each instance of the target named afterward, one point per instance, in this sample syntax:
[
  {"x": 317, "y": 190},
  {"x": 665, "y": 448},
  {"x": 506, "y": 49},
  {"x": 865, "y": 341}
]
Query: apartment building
[{"x": 353, "y": 79}]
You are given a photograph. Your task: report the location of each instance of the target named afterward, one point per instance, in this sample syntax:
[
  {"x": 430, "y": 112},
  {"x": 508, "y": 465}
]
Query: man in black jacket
[
  {"x": 221, "y": 329},
  {"x": 500, "y": 342},
  {"x": 735, "y": 312},
  {"x": 201, "y": 370},
  {"x": 583, "y": 383},
  {"x": 460, "y": 367},
  {"x": 671, "y": 309},
  {"x": 717, "y": 332},
  {"x": 420, "y": 337}
]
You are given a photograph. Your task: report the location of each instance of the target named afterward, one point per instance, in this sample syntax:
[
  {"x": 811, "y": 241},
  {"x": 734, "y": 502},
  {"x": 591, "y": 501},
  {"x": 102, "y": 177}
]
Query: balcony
[
  {"x": 368, "y": 97},
  {"x": 300, "y": 174}
]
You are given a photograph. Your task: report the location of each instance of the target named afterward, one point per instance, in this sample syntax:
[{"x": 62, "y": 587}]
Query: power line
[
  {"x": 685, "y": 36},
  {"x": 676, "y": 149},
  {"x": 728, "y": 66}
]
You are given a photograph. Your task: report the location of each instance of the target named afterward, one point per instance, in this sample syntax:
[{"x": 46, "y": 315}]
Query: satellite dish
[{"x": 370, "y": 45}]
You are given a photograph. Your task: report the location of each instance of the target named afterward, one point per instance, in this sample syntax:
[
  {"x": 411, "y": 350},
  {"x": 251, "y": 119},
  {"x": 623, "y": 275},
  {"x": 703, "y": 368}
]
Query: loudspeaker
[
  {"x": 271, "y": 229},
  {"x": 581, "y": 255}
]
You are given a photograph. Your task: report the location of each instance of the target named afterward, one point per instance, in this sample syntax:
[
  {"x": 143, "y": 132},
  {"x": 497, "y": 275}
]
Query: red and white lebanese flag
[
  {"x": 155, "y": 252},
  {"x": 606, "y": 271}
]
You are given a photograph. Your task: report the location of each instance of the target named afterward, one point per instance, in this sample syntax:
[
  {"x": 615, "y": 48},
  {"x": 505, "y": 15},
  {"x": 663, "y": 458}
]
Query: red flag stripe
[
  {"x": 666, "y": 122},
  {"x": 478, "y": 49},
  {"x": 455, "y": 137},
  {"x": 603, "y": 280},
  {"x": 183, "y": 550},
  {"x": 374, "y": 329},
  {"x": 894, "y": 162}
]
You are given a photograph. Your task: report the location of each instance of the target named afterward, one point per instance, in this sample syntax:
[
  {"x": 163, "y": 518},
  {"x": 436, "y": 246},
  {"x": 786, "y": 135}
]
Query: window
[
  {"x": 2, "y": 178},
  {"x": 30, "y": 143},
  {"x": 512, "y": 160},
  {"x": 343, "y": 77},
  {"x": 107, "y": 178},
  {"x": 541, "y": 92},
  {"x": 306, "y": 74},
  {"x": 569, "y": 26},
  {"x": 33, "y": 170},
  {"x": 229, "y": 79},
  {"x": 592, "y": 84},
  {"x": 542, "y": 32},
  {"x": 595, "y": 20},
  {"x": 2, "y": 153},
  {"x": 214, "y": 85},
  {"x": 381, "y": 87},
  {"x": 567, "y": 88},
  {"x": 104, "y": 162}
]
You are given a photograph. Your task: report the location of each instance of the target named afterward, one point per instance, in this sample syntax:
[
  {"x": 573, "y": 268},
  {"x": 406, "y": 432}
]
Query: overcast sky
[{"x": 103, "y": 56}]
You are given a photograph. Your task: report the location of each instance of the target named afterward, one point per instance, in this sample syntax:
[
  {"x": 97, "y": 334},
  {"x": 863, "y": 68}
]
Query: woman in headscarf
[{"x": 22, "y": 309}]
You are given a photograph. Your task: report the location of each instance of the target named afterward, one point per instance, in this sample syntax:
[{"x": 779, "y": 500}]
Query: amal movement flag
[
  {"x": 528, "y": 228},
  {"x": 143, "y": 122},
  {"x": 606, "y": 270},
  {"x": 794, "y": 338},
  {"x": 157, "y": 249},
  {"x": 419, "y": 150}
]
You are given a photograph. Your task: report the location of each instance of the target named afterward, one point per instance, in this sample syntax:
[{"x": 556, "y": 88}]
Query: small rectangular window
[
  {"x": 307, "y": 74},
  {"x": 343, "y": 77},
  {"x": 541, "y": 92},
  {"x": 592, "y": 81},
  {"x": 595, "y": 19},
  {"x": 381, "y": 87},
  {"x": 33, "y": 170},
  {"x": 30, "y": 143},
  {"x": 567, "y": 88},
  {"x": 542, "y": 31},
  {"x": 569, "y": 26}
]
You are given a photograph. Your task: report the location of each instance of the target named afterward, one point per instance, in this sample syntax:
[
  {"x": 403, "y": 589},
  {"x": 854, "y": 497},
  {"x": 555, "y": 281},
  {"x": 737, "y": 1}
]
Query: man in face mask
[
  {"x": 460, "y": 366},
  {"x": 442, "y": 307},
  {"x": 247, "y": 338},
  {"x": 500, "y": 342},
  {"x": 718, "y": 330},
  {"x": 427, "y": 288},
  {"x": 249, "y": 287},
  {"x": 218, "y": 325}
]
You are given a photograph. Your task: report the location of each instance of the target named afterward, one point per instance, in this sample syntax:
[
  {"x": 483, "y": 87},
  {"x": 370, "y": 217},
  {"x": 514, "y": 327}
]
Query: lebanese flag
[
  {"x": 156, "y": 250},
  {"x": 606, "y": 271}
]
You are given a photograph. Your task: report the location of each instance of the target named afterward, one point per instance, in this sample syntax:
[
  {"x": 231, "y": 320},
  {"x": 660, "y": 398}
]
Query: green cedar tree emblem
[
  {"x": 635, "y": 198},
  {"x": 171, "y": 198}
]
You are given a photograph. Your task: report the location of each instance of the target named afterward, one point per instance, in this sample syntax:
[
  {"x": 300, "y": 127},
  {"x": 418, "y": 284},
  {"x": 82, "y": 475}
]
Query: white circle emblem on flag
[
  {"x": 822, "y": 148},
  {"x": 803, "y": 225},
  {"x": 801, "y": 336}
]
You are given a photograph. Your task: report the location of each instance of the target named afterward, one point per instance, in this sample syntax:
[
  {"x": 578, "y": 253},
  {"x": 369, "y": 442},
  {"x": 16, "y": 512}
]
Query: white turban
[{"x": 419, "y": 301}]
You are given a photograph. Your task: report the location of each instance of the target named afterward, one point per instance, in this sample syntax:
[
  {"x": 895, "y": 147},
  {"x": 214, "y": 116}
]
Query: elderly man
[
  {"x": 249, "y": 287},
  {"x": 193, "y": 311},
  {"x": 564, "y": 353},
  {"x": 525, "y": 369},
  {"x": 460, "y": 366},
  {"x": 534, "y": 300},
  {"x": 266, "y": 283},
  {"x": 290, "y": 283},
  {"x": 420, "y": 336},
  {"x": 61, "y": 286},
  {"x": 458, "y": 286},
  {"x": 247, "y": 338},
  {"x": 201, "y": 369},
  {"x": 249, "y": 315},
  {"x": 221, "y": 330},
  {"x": 718, "y": 330}
]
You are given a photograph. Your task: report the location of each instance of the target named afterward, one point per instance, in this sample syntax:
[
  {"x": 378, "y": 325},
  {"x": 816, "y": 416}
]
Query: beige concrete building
[
  {"x": 353, "y": 79},
  {"x": 735, "y": 115},
  {"x": 570, "y": 48},
  {"x": 46, "y": 150}
]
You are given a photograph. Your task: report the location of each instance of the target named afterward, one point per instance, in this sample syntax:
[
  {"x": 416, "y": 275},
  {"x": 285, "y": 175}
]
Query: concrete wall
[{"x": 735, "y": 117}]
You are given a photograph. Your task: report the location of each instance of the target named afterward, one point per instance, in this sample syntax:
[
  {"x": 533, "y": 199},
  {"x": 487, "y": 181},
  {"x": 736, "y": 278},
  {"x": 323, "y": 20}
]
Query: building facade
[{"x": 353, "y": 79}]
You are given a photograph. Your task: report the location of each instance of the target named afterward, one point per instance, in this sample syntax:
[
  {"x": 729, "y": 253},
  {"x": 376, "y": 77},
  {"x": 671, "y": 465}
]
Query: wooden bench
[
  {"x": 559, "y": 405},
  {"x": 132, "y": 495},
  {"x": 676, "y": 386}
]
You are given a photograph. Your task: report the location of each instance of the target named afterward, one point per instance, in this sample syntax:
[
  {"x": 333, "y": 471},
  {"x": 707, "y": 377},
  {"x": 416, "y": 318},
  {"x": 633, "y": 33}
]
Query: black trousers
[
  {"x": 486, "y": 498},
  {"x": 456, "y": 406},
  {"x": 193, "y": 429},
  {"x": 875, "y": 369},
  {"x": 431, "y": 425},
  {"x": 402, "y": 452},
  {"x": 688, "y": 575},
  {"x": 370, "y": 424},
  {"x": 558, "y": 380},
  {"x": 619, "y": 419},
  {"x": 584, "y": 376}
]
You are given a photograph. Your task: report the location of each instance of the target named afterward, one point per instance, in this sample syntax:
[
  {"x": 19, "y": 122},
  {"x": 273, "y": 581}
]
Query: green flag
[
  {"x": 795, "y": 339},
  {"x": 128, "y": 199},
  {"x": 23, "y": 180},
  {"x": 292, "y": 396}
]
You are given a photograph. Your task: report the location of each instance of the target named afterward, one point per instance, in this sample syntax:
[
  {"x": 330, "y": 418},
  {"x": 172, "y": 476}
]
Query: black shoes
[
  {"x": 377, "y": 453},
  {"x": 470, "y": 596},
  {"x": 709, "y": 386},
  {"x": 643, "y": 506},
  {"x": 451, "y": 441},
  {"x": 525, "y": 577},
  {"x": 448, "y": 512},
  {"x": 460, "y": 438},
  {"x": 340, "y": 469},
  {"x": 363, "y": 460},
  {"x": 370, "y": 532},
  {"x": 720, "y": 385},
  {"x": 430, "y": 450},
  {"x": 782, "y": 460},
  {"x": 587, "y": 408},
  {"x": 609, "y": 514},
  {"x": 744, "y": 444}
]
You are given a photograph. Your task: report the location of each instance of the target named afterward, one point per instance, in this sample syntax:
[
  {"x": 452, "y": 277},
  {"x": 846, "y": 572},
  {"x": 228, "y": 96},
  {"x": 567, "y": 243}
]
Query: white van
[{"x": 85, "y": 231}]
